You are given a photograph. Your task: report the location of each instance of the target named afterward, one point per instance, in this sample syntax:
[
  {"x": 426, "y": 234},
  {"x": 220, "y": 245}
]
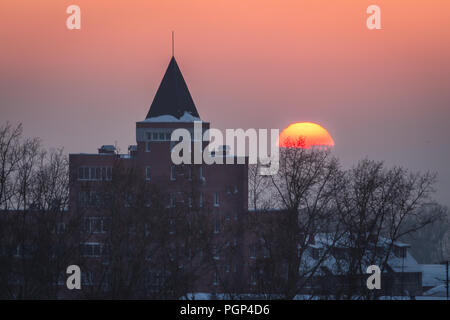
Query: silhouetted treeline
[{"x": 311, "y": 222}]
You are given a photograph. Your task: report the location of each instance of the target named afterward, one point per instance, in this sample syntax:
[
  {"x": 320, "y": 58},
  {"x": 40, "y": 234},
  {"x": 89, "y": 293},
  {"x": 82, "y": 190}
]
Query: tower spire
[
  {"x": 173, "y": 96},
  {"x": 173, "y": 44}
]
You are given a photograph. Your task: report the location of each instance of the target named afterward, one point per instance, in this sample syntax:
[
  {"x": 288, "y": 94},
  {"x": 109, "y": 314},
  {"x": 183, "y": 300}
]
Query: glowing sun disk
[{"x": 305, "y": 135}]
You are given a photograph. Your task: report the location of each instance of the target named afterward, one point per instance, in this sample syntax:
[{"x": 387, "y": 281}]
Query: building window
[
  {"x": 216, "y": 278},
  {"x": 60, "y": 227},
  {"x": 172, "y": 173},
  {"x": 227, "y": 268},
  {"x": 91, "y": 249},
  {"x": 161, "y": 136},
  {"x": 202, "y": 178},
  {"x": 93, "y": 174},
  {"x": 253, "y": 277},
  {"x": 252, "y": 251},
  {"x": 266, "y": 252},
  {"x": 215, "y": 253},
  {"x": 109, "y": 173},
  {"x": 80, "y": 173},
  {"x": 201, "y": 200},
  {"x": 172, "y": 200},
  {"x": 87, "y": 278},
  {"x": 171, "y": 226},
  {"x": 88, "y": 199},
  {"x": 190, "y": 202},
  {"x": 149, "y": 136},
  {"x": 168, "y": 136},
  {"x": 147, "y": 173},
  {"x": 147, "y": 146},
  {"x": 400, "y": 252},
  {"x": 216, "y": 225},
  {"x": 216, "y": 199},
  {"x": 155, "y": 136},
  {"x": 96, "y": 225}
]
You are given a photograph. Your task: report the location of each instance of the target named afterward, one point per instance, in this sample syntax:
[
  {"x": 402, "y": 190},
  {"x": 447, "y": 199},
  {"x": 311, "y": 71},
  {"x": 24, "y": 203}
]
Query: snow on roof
[
  {"x": 108, "y": 147},
  {"x": 406, "y": 264},
  {"x": 186, "y": 117},
  {"x": 438, "y": 291},
  {"x": 432, "y": 274}
]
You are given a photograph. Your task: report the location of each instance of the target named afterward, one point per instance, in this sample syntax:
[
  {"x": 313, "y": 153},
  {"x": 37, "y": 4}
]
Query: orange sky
[{"x": 248, "y": 63}]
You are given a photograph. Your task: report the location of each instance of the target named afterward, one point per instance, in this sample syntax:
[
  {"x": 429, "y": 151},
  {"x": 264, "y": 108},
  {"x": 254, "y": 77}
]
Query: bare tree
[
  {"x": 377, "y": 207},
  {"x": 303, "y": 192},
  {"x": 430, "y": 244}
]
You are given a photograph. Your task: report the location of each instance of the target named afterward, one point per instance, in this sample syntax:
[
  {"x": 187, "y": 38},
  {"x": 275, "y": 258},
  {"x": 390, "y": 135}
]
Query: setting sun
[{"x": 305, "y": 135}]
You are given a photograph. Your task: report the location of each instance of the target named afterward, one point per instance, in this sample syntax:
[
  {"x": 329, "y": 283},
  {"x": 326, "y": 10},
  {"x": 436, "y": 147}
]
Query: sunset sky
[{"x": 382, "y": 94}]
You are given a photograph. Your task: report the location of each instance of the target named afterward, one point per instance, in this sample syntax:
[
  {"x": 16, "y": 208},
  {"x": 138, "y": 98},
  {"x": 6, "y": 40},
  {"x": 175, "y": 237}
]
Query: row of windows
[
  {"x": 174, "y": 172},
  {"x": 253, "y": 252},
  {"x": 148, "y": 146},
  {"x": 88, "y": 199},
  {"x": 96, "y": 224},
  {"x": 93, "y": 199},
  {"x": 157, "y": 279},
  {"x": 95, "y": 173},
  {"x": 97, "y": 249},
  {"x": 173, "y": 200},
  {"x": 92, "y": 249},
  {"x": 158, "y": 136}
]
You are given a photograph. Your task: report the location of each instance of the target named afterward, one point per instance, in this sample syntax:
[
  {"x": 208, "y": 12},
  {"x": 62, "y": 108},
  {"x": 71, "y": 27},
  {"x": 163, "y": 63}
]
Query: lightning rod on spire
[{"x": 173, "y": 43}]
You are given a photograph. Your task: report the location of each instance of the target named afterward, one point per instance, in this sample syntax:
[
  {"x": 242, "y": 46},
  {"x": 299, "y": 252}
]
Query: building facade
[{"x": 221, "y": 190}]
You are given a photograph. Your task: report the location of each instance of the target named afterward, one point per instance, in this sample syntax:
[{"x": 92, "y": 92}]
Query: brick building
[{"x": 223, "y": 189}]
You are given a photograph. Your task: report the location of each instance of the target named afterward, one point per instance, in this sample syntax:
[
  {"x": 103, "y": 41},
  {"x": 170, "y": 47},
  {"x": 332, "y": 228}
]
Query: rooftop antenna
[{"x": 173, "y": 43}]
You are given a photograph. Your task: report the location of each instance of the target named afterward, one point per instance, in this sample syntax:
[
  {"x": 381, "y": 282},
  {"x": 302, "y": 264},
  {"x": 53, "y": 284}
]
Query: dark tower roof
[{"x": 173, "y": 97}]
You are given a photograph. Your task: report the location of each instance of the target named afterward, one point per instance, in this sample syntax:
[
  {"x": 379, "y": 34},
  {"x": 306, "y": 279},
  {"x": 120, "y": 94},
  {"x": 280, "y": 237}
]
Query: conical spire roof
[{"x": 173, "y": 97}]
